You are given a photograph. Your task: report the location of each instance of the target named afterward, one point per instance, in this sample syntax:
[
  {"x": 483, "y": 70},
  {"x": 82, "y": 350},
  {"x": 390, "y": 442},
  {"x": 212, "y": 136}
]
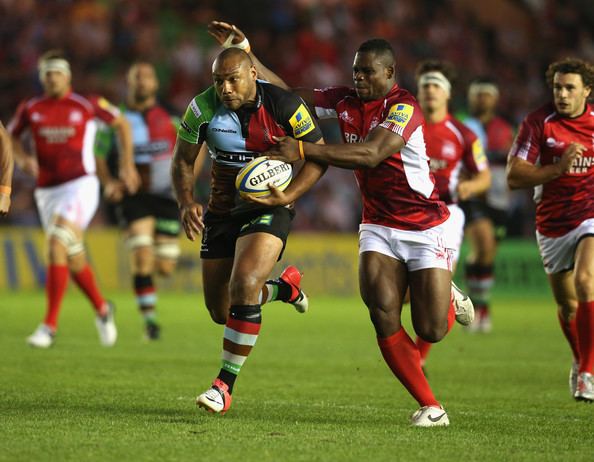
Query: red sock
[
  {"x": 55, "y": 287},
  {"x": 86, "y": 281},
  {"x": 402, "y": 356},
  {"x": 569, "y": 328},
  {"x": 585, "y": 335},
  {"x": 425, "y": 346}
]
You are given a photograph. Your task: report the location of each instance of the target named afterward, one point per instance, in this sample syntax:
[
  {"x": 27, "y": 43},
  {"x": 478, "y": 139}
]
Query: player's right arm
[
  {"x": 522, "y": 169},
  {"x": 18, "y": 124},
  {"x": 190, "y": 137},
  {"x": 221, "y": 32},
  {"x": 6, "y": 168}
]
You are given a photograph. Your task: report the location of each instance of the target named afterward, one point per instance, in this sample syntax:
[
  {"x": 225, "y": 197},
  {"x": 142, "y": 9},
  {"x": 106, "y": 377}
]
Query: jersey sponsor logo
[
  {"x": 56, "y": 135},
  {"x": 301, "y": 122},
  {"x": 75, "y": 117},
  {"x": 581, "y": 165},
  {"x": 553, "y": 143},
  {"x": 195, "y": 109},
  {"x": 448, "y": 150},
  {"x": 478, "y": 152},
  {"x": 400, "y": 114},
  {"x": 351, "y": 137},
  {"x": 437, "y": 164},
  {"x": 223, "y": 130},
  {"x": 344, "y": 115}
]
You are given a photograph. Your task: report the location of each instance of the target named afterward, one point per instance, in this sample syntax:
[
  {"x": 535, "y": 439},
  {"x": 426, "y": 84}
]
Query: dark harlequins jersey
[{"x": 236, "y": 137}]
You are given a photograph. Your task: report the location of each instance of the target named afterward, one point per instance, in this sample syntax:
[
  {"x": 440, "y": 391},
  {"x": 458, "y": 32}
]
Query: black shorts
[
  {"x": 221, "y": 232},
  {"x": 144, "y": 205},
  {"x": 476, "y": 210}
]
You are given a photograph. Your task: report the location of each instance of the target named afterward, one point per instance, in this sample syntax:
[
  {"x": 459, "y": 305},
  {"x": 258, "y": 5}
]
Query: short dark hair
[
  {"x": 430, "y": 65},
  {"x": 571, "y": 66},
  {"x": 380, "y": 47}
]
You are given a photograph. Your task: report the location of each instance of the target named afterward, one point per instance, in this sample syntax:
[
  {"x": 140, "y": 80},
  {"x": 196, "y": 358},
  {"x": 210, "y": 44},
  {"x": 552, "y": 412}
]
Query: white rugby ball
[{"x": 253, "y": 179}]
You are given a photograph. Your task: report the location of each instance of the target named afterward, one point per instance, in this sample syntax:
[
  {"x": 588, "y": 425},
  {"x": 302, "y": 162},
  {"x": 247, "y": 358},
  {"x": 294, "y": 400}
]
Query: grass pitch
[{"x": 314, "y": 388}]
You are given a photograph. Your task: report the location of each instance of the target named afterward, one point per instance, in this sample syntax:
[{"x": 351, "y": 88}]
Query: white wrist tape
[{"x": 243, "y": 45}]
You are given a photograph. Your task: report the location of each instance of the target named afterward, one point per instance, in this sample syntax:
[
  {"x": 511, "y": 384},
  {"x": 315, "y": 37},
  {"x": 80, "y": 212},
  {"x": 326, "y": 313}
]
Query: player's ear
[
  {"x": 254, "y": 72},
  {"x": 390, "y": 71}
]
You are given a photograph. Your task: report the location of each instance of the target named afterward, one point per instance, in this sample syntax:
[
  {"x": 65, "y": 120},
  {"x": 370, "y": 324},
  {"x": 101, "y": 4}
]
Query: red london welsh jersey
[
  {"x": 565, "y": 202},
  {"x": 400, "y": 192},
  {"x": 451, "y": 147},
  {"x": 63, "y": 131}
]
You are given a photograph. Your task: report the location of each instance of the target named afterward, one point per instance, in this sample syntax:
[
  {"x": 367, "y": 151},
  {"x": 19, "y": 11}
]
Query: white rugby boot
[
  {"x": 585, "y": 387},
  {"x": 573, "y": 378},
  {"x": 430, "y": 416},
  {"x": 106, "y": 328},
  {"x": 43, "y": 337},
  {"x": 462, "y": 306}
]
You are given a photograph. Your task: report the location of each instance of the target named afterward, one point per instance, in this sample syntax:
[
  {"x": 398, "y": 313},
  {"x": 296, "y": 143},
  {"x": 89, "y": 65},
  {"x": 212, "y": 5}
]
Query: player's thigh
[
  {"x": 430, "y": 291},
  {"x": 216, "y": 274},
  {"x": 482, "y": 238},
  {"x": 141, "y": 226},
  {"x": 584, "y": 269},
  {"x": 383, "y": 283},
  {"x": 255, "y": 257}
]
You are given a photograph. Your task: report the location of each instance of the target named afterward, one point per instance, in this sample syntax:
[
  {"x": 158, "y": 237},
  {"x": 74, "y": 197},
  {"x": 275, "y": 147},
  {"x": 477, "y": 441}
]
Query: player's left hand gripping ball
[{"x": 253, "y": 179}]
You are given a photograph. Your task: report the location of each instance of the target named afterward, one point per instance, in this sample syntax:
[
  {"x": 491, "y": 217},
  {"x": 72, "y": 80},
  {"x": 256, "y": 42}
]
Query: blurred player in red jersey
[
  {"x": 6, "y": 167},
  {"x": 554, "y": 153},
  {"x": 151, "y": 216},
  {"x": 401, "y": 239},
  {"x": 486, "y": 217},
  {"x": 67, "y": 194},
  {"x": 456, "y": 156}
]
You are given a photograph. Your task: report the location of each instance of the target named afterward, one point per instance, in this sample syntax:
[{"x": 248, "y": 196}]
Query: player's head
[
  {"x": 572, "y": 81},
  {"x": 434, "y": 82},
  {"x": 54, "y": 73},
  {"x": 234, "y": 76},
  {"x": 142, "y": 82},
  {"x": 374, "y": 69},
  {"x": 483, "y": 96}
]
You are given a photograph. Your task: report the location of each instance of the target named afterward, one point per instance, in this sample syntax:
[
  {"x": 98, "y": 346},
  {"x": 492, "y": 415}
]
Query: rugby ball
[{"x": 253, "y": 179}]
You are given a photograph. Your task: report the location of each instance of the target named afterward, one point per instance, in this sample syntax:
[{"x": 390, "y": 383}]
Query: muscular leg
[
  {"x": 383, "y": 282},
  {"x": 216, "y": 274},
  {"x": 584, "y": 286},
  {"x": 430, "y": 293},
  {"x": 562, "y": 286}
]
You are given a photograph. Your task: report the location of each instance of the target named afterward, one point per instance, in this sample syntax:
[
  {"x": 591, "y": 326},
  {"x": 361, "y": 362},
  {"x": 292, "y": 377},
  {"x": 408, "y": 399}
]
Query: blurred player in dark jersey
[
  {"x": 554, "y": 154},
  {"x": 6, "y": 168},
  {"x": 486, "y": 217},
  {"x": 401, "y": 239},
  {"x": 63, "y": 127},
  {"x": 237, "y": 119},
  {"x": 456, "y": 156},
  {"x": 150, "y": 216}
]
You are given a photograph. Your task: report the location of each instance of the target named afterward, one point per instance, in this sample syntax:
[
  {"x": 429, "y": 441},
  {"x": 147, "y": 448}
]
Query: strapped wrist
[{"x": 243, "y": 45}]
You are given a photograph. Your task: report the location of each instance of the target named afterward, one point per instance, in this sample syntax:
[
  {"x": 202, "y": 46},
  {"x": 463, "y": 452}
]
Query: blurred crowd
[{"x": 307, "y": 42}]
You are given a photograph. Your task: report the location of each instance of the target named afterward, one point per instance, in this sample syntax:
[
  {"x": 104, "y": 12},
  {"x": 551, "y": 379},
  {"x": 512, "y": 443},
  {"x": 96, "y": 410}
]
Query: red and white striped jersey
[
  {"x": 63, "y": 131},
  {"x": 400, "y": 192},
  {"x": 452, "y": 148},
  {"x": 565, "y": 202}
]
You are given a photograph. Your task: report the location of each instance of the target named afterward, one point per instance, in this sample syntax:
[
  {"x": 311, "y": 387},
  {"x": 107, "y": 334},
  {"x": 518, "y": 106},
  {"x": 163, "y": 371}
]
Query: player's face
[
  {"x": 569, "y": 94},
  {"x": 432, "y": 97},
  {"x": 142, "y": 82},
  {"x": 481, "y": 103},
  {"x": 55, "y": 83},
  {"x": 371, "y": 77},
  {"x": 234, "y": 82}
]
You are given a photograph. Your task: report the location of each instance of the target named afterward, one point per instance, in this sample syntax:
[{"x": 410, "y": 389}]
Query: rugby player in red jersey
[
  {"x": 554, "y": 153},
  {"x": 401, "y": 239},
  {"x": 486, "y": 216},
  {"x": 62, "y": 126},
  {"x": 456, "y": 157},
  {"x": 6, "y": 167}
]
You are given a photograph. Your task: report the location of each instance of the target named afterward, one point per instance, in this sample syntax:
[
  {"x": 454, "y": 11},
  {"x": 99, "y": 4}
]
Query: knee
[
  {"x": 218, "y": 317},
  {"x": 243, "y": 287},
  {"x": 432, "y": 333},
  {"x": 584, "y": 285}
]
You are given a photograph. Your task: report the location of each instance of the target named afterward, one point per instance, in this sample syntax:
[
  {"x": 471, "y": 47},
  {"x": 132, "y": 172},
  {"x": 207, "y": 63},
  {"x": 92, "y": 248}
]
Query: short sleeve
[
  {"x": 527, "y": 144},
  {"x": 104, "y": 110},
  {"x": 326, "y": 100},
  {"x": 298, "y": 121},
  {"x": 403, "y": 119},
  {"x": 199, "y": 113}
]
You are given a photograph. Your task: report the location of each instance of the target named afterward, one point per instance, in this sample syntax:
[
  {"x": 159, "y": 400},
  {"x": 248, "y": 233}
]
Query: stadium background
[{"x": 308, "y": 42}]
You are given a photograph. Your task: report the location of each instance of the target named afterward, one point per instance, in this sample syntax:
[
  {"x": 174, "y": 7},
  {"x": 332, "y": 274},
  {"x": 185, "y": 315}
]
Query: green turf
[{"x": 315, "y": 388}]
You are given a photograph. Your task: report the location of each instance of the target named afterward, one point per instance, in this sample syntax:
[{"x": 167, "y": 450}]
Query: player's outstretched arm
[
  {"x": 182, "y": 178},
  {"x": 127, "y": 169},
  {"x": 6, "y": 168},
  {"x": 379, "y": 145},
  {"x": 523, "y": 174}
]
